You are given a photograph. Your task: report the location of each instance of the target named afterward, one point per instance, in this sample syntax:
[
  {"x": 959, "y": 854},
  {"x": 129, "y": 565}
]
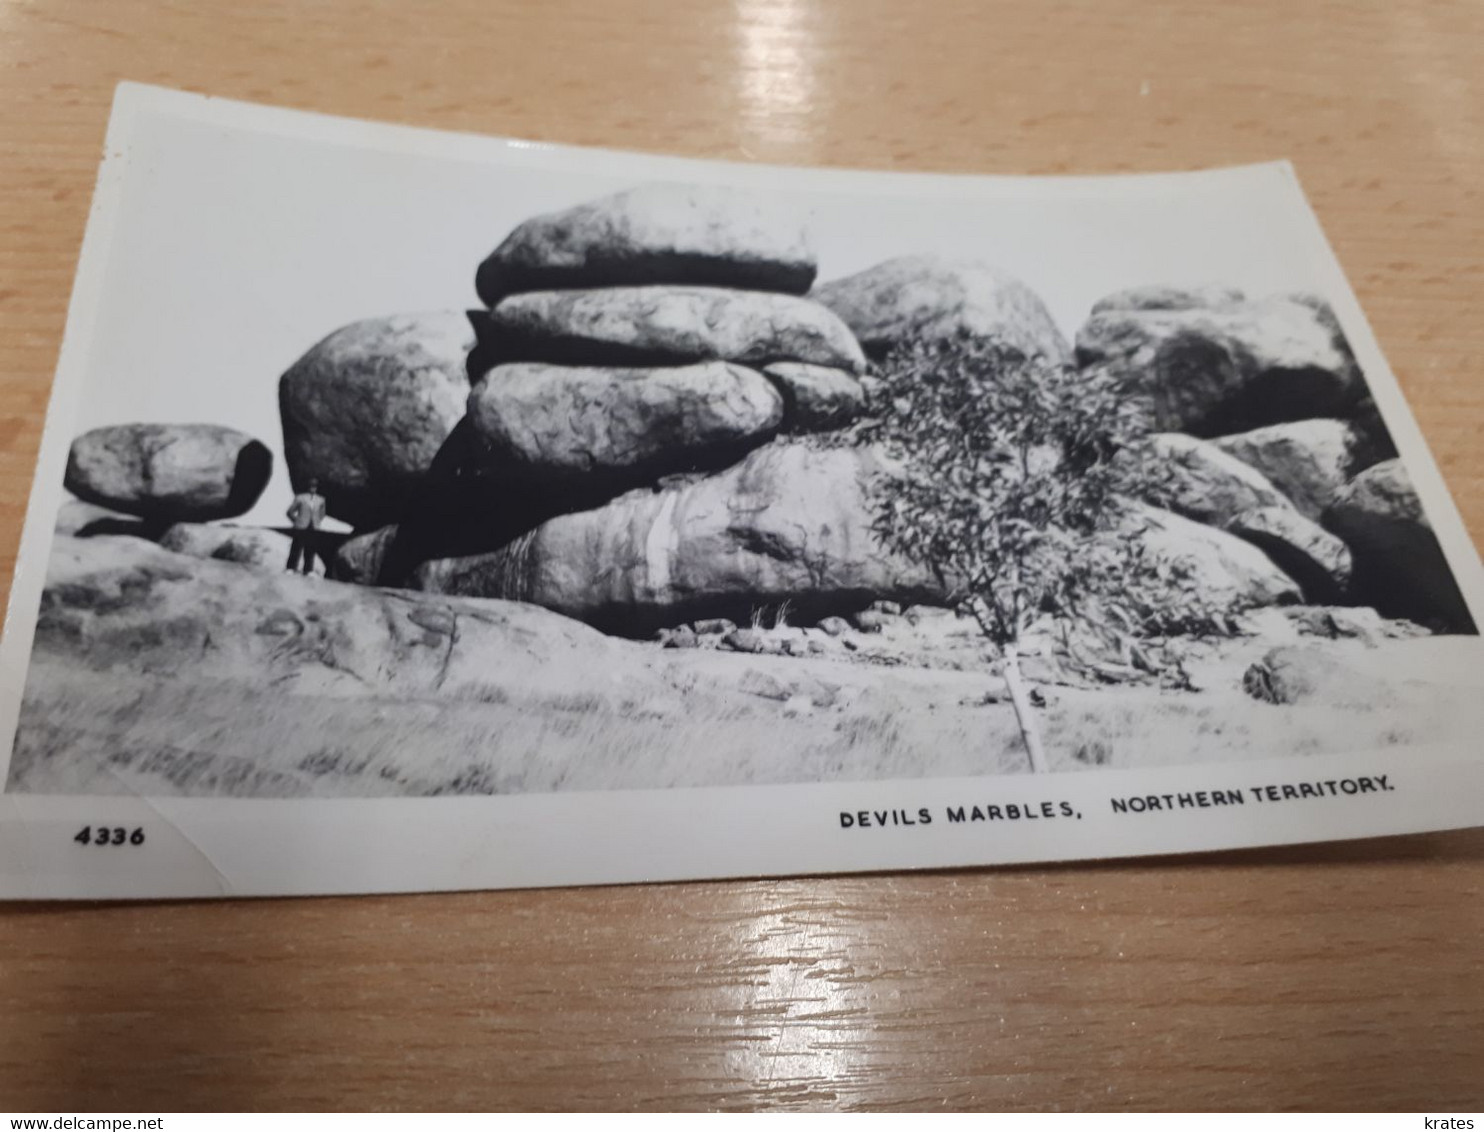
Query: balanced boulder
[
  {"x": 1196, "y": 479},
  {"x": 1399, "y": 566},
  {"x": 167, "y": 473},
  {"x": 816, "y": 398},
  {"x": 660, "y": 233},
  {"x": 608, "y": 429},
  {"x": 1215, "y": 370},
  {"x": 366, "y": 411},
  {"x": 1318, "y": 561},
  {"x": 656, "y": 326},
  {"x": 923, "y": 298},
  {"x": 790, "y": 526},
  {"x": 1168, "y": 298},
  {"x": 1309, "y": 461}
]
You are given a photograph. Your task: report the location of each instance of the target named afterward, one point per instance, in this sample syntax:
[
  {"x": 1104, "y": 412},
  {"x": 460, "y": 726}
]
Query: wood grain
[{"x": 1340, "y": 976}]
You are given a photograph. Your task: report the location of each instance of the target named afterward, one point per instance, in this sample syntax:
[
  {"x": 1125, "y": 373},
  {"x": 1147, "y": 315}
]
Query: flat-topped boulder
[
  {"x": 166, "y": 473},
  {"x": 790, "y": 527},
  {"x": 668, "y": 325},
  {"x": 707, "y": 235},
  {"x": 611, "y": 428},
  {"x": 1212, "y": 371},
  {"x": 1399, "y": 565},
  {"x": 367, "y": 410},
  {"x": 923, "y": 298}
]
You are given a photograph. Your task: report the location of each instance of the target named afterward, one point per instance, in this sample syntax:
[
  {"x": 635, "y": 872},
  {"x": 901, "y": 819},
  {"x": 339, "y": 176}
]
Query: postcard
[{"x": 421, "y": 511}]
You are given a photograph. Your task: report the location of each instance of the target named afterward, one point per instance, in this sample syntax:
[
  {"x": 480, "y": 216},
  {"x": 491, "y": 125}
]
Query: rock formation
[
  {"x": 1197, "y": 479},
  {"x": 609, "y": 429},
  {"x": 1309, "y": 460},
  {"x": 1399, "y": 566},
  {"x": 789, "y": 526},
  {"x": 1168, "y": 298},
  {"x": 167, "y": 473},
  {"x": 1210, "y": 371},
  {"x": 816, "y": 398},
  {"x": 659, "y": 326},
  {"x": 661, "y": 233},
  {"x": 925, "y": 297},
  {"x": 248, "y": 546},
  {"x": 367, "y": 410},
  {"x": 630, "y": 434},
  {"x": 1305, "y": 551},
  {"x": 1223, "y": 568},
  {"x": 125, "y": 600}
]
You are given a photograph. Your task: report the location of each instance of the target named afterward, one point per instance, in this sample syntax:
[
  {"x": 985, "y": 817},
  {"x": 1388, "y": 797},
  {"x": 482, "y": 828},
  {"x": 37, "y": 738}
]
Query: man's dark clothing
[{"x": 306, "y": 513}]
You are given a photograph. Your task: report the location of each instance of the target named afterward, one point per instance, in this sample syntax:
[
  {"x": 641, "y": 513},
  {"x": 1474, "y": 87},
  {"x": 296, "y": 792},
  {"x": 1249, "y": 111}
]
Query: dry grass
[{"x": 711, "y": 719}]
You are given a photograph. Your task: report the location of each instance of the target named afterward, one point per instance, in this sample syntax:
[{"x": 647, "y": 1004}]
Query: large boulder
[
  {"x": 157, "y": 674},
  {"x": 1318, "y": 561},
  {"x": 124, "y": 604},
  {"x": 816, "y": 398},
  {"x": 1219, "y": 567},
  {"x": 1196, "y": 479},
  {"x": 922, "y": 297},
  {"x": 1399, "y": 566},
  {"x": 363, "y": 558},
  {"x": 1309, "y": 461},
  {"x": 586, "y": 429},
  {"x": 1159, "y": 298},
  {"x": 709, "y": 235},
  {"x": 166, "y": 473},
  {"x": 1218, "y": 370},
  {"x": 262, "y": 547},
  {"x": 658, "y": 326},
  {"x": 366, "y": 411},
  {"x": 788, "y": 528}
]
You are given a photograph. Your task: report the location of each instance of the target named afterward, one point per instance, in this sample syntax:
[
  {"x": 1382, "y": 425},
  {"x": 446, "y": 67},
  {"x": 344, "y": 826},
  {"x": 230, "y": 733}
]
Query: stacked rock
[
  {"x": 1263, "y": 423},
  {"x": 659, "y": 337},
  {"x": 621, "y": 435},
  {"x": 659, "y": 331}
]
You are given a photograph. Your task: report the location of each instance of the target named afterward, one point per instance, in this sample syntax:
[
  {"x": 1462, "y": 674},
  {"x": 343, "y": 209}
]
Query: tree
[{"x": 1012, "y": 478}]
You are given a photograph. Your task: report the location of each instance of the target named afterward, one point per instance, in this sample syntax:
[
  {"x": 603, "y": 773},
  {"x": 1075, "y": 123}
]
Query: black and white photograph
[{"x": 458, "y": 469}]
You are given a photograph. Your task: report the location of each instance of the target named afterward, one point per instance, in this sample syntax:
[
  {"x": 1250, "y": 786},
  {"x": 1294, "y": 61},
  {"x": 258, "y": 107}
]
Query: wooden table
[{"x": 1349, "y": 976}]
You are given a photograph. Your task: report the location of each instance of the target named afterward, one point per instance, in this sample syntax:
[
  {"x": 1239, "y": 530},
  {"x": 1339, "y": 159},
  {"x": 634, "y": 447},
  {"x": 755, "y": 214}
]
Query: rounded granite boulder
[
  {"x": 667, "y": 325},
  {"x": 169, "y": 473},
  {"x": 708, "y": 235},
  {"x": 367, "y": 410}
]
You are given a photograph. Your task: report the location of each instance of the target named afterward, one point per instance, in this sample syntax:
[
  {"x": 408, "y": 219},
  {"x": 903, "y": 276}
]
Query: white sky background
[{"x": 236, "y": 250}]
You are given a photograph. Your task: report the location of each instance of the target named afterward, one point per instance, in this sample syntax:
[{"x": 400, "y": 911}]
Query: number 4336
[{"x": 109, "y": 835}]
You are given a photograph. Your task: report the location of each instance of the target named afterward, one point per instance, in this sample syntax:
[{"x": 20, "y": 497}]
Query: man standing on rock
[{"x": 307, "y": 512}]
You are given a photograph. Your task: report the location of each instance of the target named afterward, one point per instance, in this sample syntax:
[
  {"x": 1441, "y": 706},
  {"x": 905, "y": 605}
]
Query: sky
[{"x": 237, "y": 248}]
